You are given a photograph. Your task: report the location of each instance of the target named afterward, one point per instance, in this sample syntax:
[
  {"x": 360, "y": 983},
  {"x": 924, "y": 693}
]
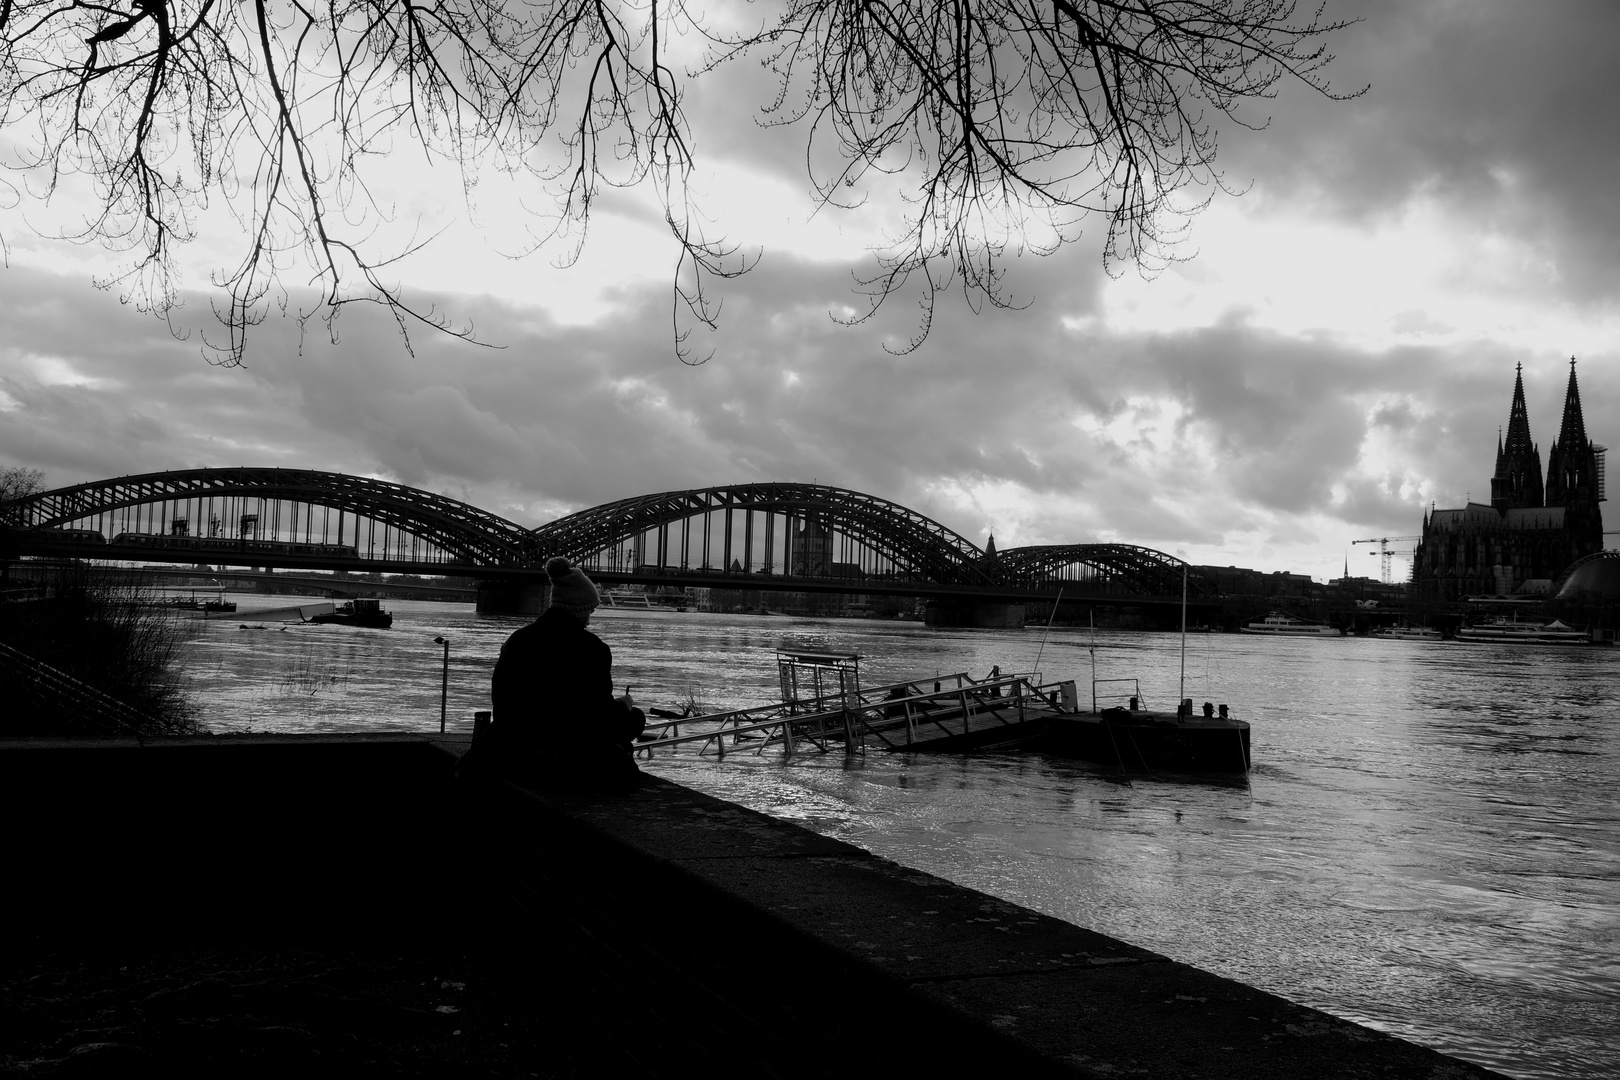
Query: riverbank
[{"x": 665, "y": 932}]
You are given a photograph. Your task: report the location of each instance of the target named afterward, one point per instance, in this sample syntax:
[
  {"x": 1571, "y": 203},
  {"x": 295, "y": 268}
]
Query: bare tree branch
[{"x": 1003, "y": 124}]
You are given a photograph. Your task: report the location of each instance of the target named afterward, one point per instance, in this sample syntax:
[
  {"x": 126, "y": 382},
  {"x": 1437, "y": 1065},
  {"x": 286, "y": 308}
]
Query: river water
[{"x": 1429, "y": 842}]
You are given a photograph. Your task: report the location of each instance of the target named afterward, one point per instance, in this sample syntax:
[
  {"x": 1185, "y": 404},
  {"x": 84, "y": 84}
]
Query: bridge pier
[
  {"x": 508, "y": 597},
  {"x": 967, "y": 613}
]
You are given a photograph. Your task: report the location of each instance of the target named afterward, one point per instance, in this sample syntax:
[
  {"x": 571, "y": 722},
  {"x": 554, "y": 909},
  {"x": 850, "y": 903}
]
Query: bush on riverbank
[{"x": 91, "y": 654}]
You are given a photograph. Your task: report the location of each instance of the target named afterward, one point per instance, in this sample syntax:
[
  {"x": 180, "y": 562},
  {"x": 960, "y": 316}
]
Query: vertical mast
[
  {"x": 1183, "y": 695},
  {"x": 1093, "y": 651}
]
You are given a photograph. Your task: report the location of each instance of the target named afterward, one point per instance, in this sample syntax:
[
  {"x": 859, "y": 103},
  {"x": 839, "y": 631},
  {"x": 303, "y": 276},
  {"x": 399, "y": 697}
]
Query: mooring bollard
[{"x": 480, "y": 722}]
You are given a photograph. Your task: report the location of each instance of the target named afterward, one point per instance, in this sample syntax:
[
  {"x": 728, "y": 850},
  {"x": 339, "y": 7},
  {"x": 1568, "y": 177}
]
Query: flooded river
[{"x": 1429, "y": 842}]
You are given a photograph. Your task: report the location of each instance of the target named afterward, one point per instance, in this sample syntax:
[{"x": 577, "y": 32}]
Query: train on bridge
[
  {"x": 238, "y": 545},
  {"x": 202, "y": 544}
]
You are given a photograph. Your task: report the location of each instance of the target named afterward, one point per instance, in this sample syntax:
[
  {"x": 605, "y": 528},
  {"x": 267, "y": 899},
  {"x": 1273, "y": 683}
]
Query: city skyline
[{"x": 1335, "y": 356}]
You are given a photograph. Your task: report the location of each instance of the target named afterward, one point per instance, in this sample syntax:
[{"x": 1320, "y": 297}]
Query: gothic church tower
[
  {"x": 1517, "y": 482},
  {"x": 1534, "y": 529},
  {"x": 1573, "y": 478}
]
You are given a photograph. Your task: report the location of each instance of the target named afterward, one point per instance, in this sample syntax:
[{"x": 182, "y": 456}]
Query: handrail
[
  {"x": 1136, "y": 690},
  {"x": 76, "y": 693},
  {"x": 772, "y": 714},
  {"x": 875, "y": 712}
]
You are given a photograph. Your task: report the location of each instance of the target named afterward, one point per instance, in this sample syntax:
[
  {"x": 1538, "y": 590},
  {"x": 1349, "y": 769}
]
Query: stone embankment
[{"x": 337, "y": 906}]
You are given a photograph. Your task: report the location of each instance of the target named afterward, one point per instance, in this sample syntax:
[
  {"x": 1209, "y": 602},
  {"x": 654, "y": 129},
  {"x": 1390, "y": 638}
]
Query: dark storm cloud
[
  {"x": 93, "y": 388},
  {"x": 1018, "y": 423},
  {"x": 1503, "y": 112},
  {"x": 1278, "y": 409}
]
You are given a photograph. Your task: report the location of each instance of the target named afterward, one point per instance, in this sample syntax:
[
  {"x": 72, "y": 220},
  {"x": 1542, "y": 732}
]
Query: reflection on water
[{"x": 1429, "y": 843}]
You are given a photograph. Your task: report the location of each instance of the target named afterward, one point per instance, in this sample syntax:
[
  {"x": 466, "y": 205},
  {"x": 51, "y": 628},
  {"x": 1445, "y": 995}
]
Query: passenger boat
[
  {"x": 628, "y": 598},
  {"x": 363, "y": 613},
  {"x": 1284, "y": 624},
  {"x": 629, "y": 602},
  {"x": 1408, "y": 633},
  {"x": 1510, "y": 631}
]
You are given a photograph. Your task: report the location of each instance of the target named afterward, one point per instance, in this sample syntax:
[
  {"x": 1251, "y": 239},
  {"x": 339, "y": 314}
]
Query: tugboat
[{"x": 364, "y": 613}]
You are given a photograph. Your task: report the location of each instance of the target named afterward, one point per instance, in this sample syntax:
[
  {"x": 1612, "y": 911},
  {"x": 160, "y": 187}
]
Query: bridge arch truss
[
  {"x": 791, "y": 529},
  {"x": 1106, "y": 568},
  {"x": 801, "y": 532},
  {"x": 374, "y": 518}
]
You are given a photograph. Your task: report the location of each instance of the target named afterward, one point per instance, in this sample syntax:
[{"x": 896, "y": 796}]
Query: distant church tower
[
  {"x": 1517, "y": 482},
  {"x": 1574, "y": 479},
  {"x": 1532, "y": 531}
]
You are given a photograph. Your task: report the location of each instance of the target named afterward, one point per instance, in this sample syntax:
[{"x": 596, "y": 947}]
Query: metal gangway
[{"x": 829, "y": 709}]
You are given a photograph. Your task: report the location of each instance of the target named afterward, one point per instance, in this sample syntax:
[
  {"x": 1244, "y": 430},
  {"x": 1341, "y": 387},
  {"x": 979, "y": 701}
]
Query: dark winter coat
[{"x": 556, "y": 720}]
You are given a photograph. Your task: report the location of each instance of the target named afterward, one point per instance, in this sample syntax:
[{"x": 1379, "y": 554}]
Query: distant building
[
  {"x": 1532, "y": 530},
  {"x": 810, "y": 552},
  {"x": 1241, "y": 581}
]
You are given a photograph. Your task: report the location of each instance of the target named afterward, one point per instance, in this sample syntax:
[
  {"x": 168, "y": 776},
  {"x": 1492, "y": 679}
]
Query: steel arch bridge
[
  {"x": 764, "y": 534},
  {"x": 875, "y": 537},
  {"x": 1136, "y": 569},
  {"x": 457, "y": 531}
]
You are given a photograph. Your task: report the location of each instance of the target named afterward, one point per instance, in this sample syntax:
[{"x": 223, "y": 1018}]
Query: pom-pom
[{"x": 557, "y": 566}]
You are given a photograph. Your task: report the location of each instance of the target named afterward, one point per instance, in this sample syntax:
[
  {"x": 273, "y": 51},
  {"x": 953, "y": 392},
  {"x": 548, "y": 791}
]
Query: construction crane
[{"x": 1383, "y": 551}]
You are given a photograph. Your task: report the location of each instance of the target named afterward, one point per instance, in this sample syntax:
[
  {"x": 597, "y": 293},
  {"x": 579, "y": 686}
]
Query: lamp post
[{"x": 444, "y": 681}]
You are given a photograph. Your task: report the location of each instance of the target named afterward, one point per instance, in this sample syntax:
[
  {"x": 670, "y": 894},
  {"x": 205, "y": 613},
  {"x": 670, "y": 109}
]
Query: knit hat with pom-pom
[{"x": 570, "y": 588}]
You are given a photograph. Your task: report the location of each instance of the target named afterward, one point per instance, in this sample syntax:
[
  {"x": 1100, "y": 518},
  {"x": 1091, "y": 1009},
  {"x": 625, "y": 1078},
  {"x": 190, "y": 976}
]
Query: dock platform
[{"x": 948, "y": 714}]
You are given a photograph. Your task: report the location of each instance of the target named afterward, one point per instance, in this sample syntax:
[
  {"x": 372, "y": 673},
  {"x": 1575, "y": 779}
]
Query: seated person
[{"x": 556, "y": 722}]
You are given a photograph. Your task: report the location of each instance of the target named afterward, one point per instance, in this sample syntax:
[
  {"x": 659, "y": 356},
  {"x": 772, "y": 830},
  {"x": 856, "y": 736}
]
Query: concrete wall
[{"x": 695, "y": 935}]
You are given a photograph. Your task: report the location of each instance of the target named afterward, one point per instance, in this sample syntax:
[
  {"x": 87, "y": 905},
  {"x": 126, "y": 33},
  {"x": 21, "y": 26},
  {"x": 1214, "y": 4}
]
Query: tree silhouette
[
  {"x": 1005, "y": 124},
  {"x": 17, "y": 481}
]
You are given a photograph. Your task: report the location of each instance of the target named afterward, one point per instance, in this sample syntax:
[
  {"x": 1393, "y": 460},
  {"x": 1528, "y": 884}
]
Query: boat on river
[
  {"x": 363, "y": 613},
  {"x": 1134, "y": 738},
  {"x": 1511, "y": 631},
  {"x": 1280, "y": 623},
  {"x": 1407, "y": 633},
  {"x": 631, "y": 602}
]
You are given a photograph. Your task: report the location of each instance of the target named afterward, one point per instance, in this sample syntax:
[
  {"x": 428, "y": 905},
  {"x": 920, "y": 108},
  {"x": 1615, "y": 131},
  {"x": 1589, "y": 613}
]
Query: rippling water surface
[{"x": 1429, "y": 842}]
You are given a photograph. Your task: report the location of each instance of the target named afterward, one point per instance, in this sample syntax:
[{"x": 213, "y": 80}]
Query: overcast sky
[{"x": 1337, "y": 355}]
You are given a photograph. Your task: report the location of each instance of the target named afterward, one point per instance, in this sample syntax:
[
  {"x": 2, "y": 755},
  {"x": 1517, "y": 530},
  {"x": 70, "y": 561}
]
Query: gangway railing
[
  {"x": 1134, "y": 693},
  {"x": 897, "y": 716},
  {"x": 807, "y": 706}
]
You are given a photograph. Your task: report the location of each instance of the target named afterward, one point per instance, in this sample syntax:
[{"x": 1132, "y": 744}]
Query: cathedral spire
[
  {"x": 1573, "y": 433},
  {"x": 1572, "y": 464},
  {"x": 1517, "y": 482},
  {"x": 1518, "y": 433}
]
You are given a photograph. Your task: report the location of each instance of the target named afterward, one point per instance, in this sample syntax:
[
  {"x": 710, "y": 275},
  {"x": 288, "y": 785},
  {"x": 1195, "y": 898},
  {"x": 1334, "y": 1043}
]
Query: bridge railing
[{"x": 896, "y": 714}]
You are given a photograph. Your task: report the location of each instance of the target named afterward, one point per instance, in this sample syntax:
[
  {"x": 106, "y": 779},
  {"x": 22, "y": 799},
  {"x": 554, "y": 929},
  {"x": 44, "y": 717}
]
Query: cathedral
[{"x": 1533, "y": 529}]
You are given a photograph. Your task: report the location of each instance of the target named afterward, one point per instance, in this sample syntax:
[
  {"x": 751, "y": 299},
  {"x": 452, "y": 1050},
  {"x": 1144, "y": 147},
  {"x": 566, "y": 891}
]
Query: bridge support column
[
  {"x": 514, "y": 597},
  {"x": 982, "y": 616}
]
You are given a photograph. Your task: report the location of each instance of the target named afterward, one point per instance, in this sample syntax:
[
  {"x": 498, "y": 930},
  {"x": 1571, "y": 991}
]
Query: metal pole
[
  {"x": 1183, "y": 690},
  {"x": 444, "y": 682}
]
